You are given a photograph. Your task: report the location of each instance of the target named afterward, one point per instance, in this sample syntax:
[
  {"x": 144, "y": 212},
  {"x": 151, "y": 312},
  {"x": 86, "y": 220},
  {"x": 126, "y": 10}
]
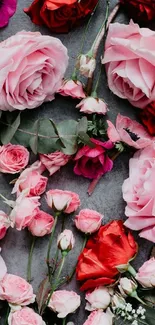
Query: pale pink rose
[
  {"x": 31, "y": 180},
  {"x": 98, "y": 299},
  {"x": 54, "y": 161},
  {"x": 65, "y": 201},
  {"x": 25, "y": 316},
  {"x": 31, "y": 71},
  {"x": 146, "y": 274},
  {"x": 16, "y": 290},
  {"x": 4, "y": 224},
  {"x": 139, "y": 194},
  {"x": 72, "y": 88},
  {"x": 64, "y": 302},
  {"x": 41, "y": 224},
  {"x": 13, "y": 158},
  {"x": 86, "y": 65},
  {"x": 128, "y": 131},
  {"x": 66, "y": 240},
  {"x": 130, "y": 63},
  {"x": 88, "y": 221},
  {"x": 3, "y": 268},
  {"x": 24, "y": 210},
  {"x": 91, "y": 105},
  {"x": 127, "y": 287},
  {"x": 98, "y": 317}
]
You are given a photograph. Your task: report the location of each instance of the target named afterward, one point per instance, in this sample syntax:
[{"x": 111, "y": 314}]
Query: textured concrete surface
[{"x": 107, "y": 197}]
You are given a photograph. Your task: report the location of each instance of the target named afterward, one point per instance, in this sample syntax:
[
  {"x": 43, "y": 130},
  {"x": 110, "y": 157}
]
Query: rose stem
[
  {"x": 98, "y": 39},
  {"x": 30, "y": 259},
  {"x": 131, "y": 270},
  {"x": 57, "y": 249},
  {"x": 50, "y": 245},
  {"x": 64, "y": 321}
]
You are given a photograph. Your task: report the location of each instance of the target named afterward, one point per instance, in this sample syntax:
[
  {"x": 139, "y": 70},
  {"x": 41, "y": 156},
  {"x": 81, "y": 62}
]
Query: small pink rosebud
[
  {"x": 127, "y": 287},
  {"x": 86, "y": 65},
  {"x": 66, "y": 240},
  {"x": 92, "y": 105},
  {"x": 88, "y": 221},
  {"x": 73, "y": 88}
]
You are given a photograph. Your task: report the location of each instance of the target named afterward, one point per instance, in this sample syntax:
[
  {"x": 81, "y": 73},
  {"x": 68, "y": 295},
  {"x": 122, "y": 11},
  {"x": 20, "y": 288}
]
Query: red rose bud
[
  {"x": 147, "y": 116},
  {"x": 140, "y": 10}
]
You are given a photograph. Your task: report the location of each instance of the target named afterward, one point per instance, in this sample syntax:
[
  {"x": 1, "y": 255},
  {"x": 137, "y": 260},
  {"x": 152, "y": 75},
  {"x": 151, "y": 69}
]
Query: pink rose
[
  {"x": 146, "y": 274},
  {"x": 98, "y": 318},
  {"x": 13, "y": 158},
  {"x": 31, "y": 71},
  {"x": 31, "y": 180},
  {"x": 130, "y": 63},
  {"x": 93, "y": 162},
  {"x": 98, "y": 299},
  {"x": 66, "y": 240},
  {"x": 64, "y": 302},
  {"x": 4, "y": 224},
  {"x": 25, "y": 316},
  {"x": 41, "y": 224},
  {"x": 91, "y": 105},
  {"x": 128, "y": 131},
  {"x": 139, "y": 194},
  {"x": 3, "y": 268},
  {"x": 54, "y": 161},
  {"x": 16, "y": 290},
  {"x": 24, "y": 210},
  {"x": 88, "y": 221},
  {"x": 65, "y": 201},
  {"x": 72, "y": 88}
]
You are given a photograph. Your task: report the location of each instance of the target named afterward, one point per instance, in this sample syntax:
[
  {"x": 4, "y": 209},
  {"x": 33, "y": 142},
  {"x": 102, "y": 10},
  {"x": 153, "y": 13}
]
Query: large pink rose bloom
[
  {"x": 128, "y": 131},
  {"x": 13, "y": 158},
  {"x": 64, "y": 302},
  {"x": 139, "y": 193},
  {"x": 31, "y": 180},
  {"x": 41, "y": 224},
  {"x": 146, "y": 274},
  {"x": 25, "y": 316},
  {"x": 130, "y": 63},
  {"x": 54, "y": 161},
  {"x": 31, "y": 71},
  {"x": 16, "y": 290},
  {"x": 93, "y": 162}
]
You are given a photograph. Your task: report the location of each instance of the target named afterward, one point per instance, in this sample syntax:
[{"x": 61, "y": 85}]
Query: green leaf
[
  {"x": 148, "y": 295},
  {"x": 82, "y": 125},
  {"x": 68, "y": 135},
  {"x": 47, "y": 138},
  {"x": 34, "y": 139},
  {"x": 42, "y": 294},
  {"x": 150, "y": 316},
  {"x": 8, "y": 132},
  {"x": 84, "y": 137}
]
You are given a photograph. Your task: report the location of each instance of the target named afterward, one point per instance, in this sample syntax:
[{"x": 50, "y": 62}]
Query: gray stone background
[{"x": 107, "y": 198}]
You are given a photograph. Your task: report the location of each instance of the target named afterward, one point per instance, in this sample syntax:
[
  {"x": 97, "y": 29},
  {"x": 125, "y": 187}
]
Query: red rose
[
  {"x": 147, "y": 116},
  {"x": 140, "y": 10},
  {"x": 60, "y": 15},
  {"x": 113, "y": 245}
]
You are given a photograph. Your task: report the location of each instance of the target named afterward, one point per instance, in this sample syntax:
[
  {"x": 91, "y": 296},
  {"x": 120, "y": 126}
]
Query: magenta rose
[
  {"x": 16, "y": 290},
  {"x": 130, "y": 63},
  {"x": 64, "y": 302},
  {"x": 54, "y": 161},
  {"x": 93, "y": 162},
  {"x": 32, "y": 70},
  {"x": 7, "y": 10},
  {"x": 25, "y": 316},
  {"x": 88, "y": 221},
  {"x": 65, "y": 201},
  {"x": 139, "y": 194},
  {"x": 41, "y": 224},
  {"x": 146, "y": 274},
  {"x": 4, "y": 224},
  {"x": 31, "y": 180},
  {"x": 72, "y": 88},
  {"x": 13, "y": 158}
]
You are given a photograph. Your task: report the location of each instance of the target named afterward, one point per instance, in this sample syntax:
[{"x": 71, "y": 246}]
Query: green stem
[
  {"x": 30, "y": 259},
  {"x": 49, "y": 247},
  {"x": 134, "y": 295},
  {"x": 131, "y": 270},
  {"x": 6, "y": 317},
  {"x": 64, "y": 321}
]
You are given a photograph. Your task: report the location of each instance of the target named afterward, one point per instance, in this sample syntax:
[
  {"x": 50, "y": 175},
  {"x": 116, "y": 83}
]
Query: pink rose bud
[
  {"x": 24, "y": 211},
  {"x": 117, "y": 300},
  {"x": 91, "y": 105},
  {"x": 25, "y": 316},
  {"x": 31, "y": 180},
  {"x": 146, "y": 274},
  {"x": 127, "y": 287},
  {"x": 72, "y": 88},
  {"x": 4, "y": 224},
  {"x": 16, "y": 290},
  {"x": 3, "y": 268},
  {"x": 88, "y": 221},
  {"x": 41, "y": 224},
  {"x": 65, "y": 201},
  {"x": 13, "y": 158},
  {"x": 100, "y": 318},
  {"x": 86, "y": 65},
  {"x": 66, "y": 240},
  {"x": 98, "y": 299},
  {"x": 64, "y": 302},
  {"x": 54, "y": 161}
]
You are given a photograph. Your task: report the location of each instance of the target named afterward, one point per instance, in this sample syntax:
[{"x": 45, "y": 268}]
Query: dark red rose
[
  {"x": 111, "y": 246},
  {"x": 140, "y": 10},
  {"x": 60, "y": 15},
  {"x": 147, "y": 116}
]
